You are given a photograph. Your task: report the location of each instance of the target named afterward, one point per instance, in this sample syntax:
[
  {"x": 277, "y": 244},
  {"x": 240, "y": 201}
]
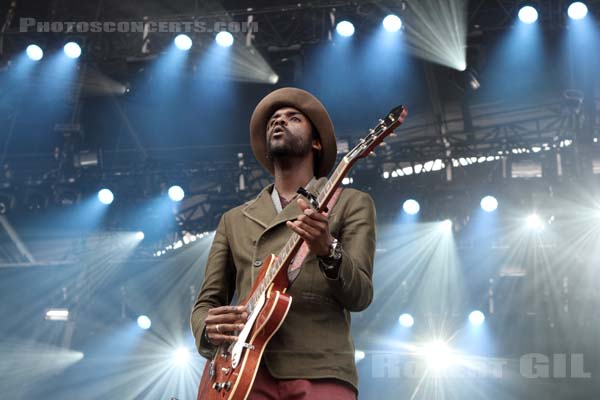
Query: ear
[{"x": 316, "y": 145}]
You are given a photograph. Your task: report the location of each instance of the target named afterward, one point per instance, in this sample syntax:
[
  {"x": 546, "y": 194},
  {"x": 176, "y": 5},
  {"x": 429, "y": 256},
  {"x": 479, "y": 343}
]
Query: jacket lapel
[{"x": 261, "y": 210}]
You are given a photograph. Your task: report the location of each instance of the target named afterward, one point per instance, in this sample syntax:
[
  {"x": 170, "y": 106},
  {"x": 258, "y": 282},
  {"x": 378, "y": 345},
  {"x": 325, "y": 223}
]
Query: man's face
[{"x": 289, "y": 134}]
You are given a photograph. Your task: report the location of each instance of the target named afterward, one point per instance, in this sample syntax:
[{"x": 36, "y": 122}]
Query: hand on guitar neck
[
  {"x": 313, "y": 227},
  {"x": 223, "y": 323}
]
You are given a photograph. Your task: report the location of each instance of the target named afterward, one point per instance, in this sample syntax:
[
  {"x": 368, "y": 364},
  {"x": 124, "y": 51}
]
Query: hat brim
[{"x": 310, "y": 106}]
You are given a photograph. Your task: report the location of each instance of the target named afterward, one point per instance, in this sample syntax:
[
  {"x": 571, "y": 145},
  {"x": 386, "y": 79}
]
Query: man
[{"x": 312, "y": 355}]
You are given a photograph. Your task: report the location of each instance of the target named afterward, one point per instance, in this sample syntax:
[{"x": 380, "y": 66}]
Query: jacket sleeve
[
  {"x": 218, "y": 286},
  {"x": 353, "y": 286}
]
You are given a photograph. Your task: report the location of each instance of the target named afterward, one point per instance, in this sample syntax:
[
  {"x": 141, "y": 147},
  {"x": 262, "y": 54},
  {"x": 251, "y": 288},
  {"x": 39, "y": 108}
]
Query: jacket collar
[{"x": 262, "y": 211}]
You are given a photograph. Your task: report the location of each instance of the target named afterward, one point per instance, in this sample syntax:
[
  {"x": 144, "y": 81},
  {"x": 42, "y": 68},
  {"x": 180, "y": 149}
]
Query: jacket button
[{"x": 257, "y": 263}]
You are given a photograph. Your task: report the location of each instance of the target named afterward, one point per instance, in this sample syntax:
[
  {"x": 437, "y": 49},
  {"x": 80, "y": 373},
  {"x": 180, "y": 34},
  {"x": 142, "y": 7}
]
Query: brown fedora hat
[{"x": 310, "y": 106}]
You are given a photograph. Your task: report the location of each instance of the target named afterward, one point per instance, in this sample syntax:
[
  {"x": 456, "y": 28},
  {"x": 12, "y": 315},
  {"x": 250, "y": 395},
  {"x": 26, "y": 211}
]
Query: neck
[{"x": 289, "y": 176}]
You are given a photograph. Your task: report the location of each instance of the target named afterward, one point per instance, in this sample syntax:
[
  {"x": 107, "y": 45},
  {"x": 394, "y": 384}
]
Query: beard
[{"x": 288, "y": 147}]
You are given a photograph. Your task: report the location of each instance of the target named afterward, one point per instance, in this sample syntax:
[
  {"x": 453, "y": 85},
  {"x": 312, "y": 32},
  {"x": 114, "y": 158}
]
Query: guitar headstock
[{"x": 374, "y": 138}]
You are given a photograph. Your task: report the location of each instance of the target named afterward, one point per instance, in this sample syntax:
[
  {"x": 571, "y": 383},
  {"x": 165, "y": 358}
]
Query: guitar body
[{"x": 220, "y": 380}]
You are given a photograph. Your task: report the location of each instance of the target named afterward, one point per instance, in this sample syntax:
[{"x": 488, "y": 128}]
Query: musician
[{"x": 311, "y": 356}]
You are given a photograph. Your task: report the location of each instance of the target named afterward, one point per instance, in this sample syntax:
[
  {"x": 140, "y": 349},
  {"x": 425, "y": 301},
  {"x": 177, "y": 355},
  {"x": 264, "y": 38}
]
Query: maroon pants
[{"x": 268, "y": 388}]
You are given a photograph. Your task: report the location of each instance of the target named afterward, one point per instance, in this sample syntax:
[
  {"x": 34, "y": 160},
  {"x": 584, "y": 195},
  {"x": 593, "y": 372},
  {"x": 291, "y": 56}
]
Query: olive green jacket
[{"x": 314, "y": 341}]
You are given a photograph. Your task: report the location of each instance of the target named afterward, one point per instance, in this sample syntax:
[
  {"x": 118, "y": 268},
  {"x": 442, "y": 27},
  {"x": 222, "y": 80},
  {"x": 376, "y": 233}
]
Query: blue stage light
[
  {"x": 176, "y": 193},
  {"x": 528, "y": 14},
  {"x": 411, "y": 207},
  {"x": 577, "y": 10},
  {"x": 140, "y": 235},
  {"x": 392, "y": 23},
  {"x": 72, "y": 50},
  {"x": 406, "y": 320},
  {"x": 183, "y": 42},
  {"x": 34, "y": 52},
  {"x": 476, "y": 318},
  {"x": 105, "y": 196},
  {"x": 144, "y": 322},
  {"x": 224, "y": 39},
  {"x": 489, "y": 204},
  {"x": 345, "y": 28}
]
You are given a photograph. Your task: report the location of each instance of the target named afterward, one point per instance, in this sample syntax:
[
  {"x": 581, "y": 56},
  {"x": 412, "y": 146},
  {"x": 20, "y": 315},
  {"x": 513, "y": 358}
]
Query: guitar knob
[
  {"x": 218, "y": 386},
  {"x": 227, "y": 386}
]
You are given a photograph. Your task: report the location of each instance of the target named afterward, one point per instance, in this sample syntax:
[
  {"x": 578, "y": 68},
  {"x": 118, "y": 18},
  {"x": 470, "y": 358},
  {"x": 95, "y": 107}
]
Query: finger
[
  {"x": 226, "y": 328},
  {"x": 313, "y": 231},
  {"x": 218, "y": 338},
  {"x": 303, "y": 234},
  {"x": 302, "y": 204},
  {"x": 224, "y": 319},
  {"x": 227, "y": 310},
  {"x": 316, "y": 215},
  {"x": 316, "y": 224}
]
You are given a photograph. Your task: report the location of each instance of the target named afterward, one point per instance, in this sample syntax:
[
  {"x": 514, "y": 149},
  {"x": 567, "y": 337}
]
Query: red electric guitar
[{"x": 231, "y": 372}]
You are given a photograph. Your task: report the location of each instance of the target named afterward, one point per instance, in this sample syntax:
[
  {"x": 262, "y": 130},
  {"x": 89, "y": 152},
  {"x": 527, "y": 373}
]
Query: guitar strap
[{"x": 294, "y": 268}]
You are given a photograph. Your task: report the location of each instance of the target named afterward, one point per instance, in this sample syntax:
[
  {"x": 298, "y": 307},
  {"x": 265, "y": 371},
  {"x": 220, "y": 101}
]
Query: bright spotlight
[
  {"x": 476, "y": 318},
  {"x": 105, "y": 196},
  {"x": 144, "y": 322},
  {"x": 273, "y": 78},
  {"x": 489, "y": 204},
  {"x": 139, "y": 235},
  {"x": 406, "y": 320},
  {"x": 183, "y": 42},
  {"x": 345, "y": 28},
  {"x": 181, "y": 356},
  {"x": 34, "y": 52},
  {"x": 57, "y": 314},
  {"x": 359, "y": 355},
  {"x": 392, "y": 23},
  {"x": 224, "y": 39},
  {"x": 411, "y": 207},
  {"x": 534, "y": 222},
  {"x": 446, "y": 226},
  {"x": 438, "y": 355},
  {"x": 176, "y": 193},
  {"x": 72, "y": 50},
  {"x": 577, "y": 10},
  {"x": 528, "y": 14}
]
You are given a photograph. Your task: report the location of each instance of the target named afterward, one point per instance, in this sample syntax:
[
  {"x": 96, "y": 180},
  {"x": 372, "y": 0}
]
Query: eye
[{"x": 295, "y": 119}]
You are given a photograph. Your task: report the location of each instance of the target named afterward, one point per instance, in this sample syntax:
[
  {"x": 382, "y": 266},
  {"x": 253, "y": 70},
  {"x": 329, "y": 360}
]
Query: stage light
[
  {"x": 176, "y": 193},
  {"x": 139, "y": 235},
  {"x": 105, "y": 196},
  {"x": 359, "y": 355},
  {"x": 345, "y": 28},
  {"x": 183, "y": 42},
  {"x": 489, "y": 204},
  {"x": 534, "y": 222},
  {"x": 476, "y": 318},
  {"x": 273, "y": 78},
  {"x": 528, "y": 14},
  {"x": 437, "y": 355},
  {"x": 224, "y": 39},
  {"x": 411, "y": 207},
  {"x": 577, "y": 10},
  {"x": 406, "y": 320},
  {"x": 144, "y": 322},
  {"x": 34, "y": 52},
  {"x": 392, "y": 23},
  {"x": 57, "y": 314},
  {"x": 446, "y": 226},
  {"x": 72, "y": 50},
  {"x": 181, "y": 356}
]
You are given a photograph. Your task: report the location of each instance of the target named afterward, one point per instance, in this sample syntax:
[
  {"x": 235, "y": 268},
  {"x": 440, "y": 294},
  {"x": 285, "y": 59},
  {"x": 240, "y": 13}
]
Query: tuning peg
[
  {"x": 393, "y": 134},
  {"x": 372, "y": 154}
]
